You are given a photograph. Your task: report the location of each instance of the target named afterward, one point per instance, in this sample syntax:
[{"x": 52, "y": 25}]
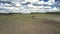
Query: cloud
[
  {"x": 40, "y": 2},
  {"x": 27, "y": 6},
  {"x": 58, "y": 4},
  {"x": 18, "y": 4},
  {"x": 32, "y": 1}
]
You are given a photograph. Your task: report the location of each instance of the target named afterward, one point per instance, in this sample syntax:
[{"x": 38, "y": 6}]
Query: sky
[
  {"x": 40, "y": 0},
  {"x": 47, "y": 0},
  {"x": 54, "y": 8}
]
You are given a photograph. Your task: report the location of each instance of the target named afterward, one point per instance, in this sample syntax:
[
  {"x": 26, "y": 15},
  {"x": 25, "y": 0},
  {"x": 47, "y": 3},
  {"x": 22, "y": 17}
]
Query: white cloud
[
  {"x": 18, "y": 4},
  {"x": 32, "y": 8},
  {"x": 40, "y": 2},
  {"x": 30, "y": 5},
  {"x": 55, "y": 9},
  {"x": 32, "y": 1},
  {"x": 45, "y": 2},
  {"x": 48, "y": 7}
]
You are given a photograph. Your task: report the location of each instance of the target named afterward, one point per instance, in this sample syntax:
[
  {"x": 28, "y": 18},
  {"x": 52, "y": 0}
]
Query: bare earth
[{"x": 28, "y": 25}]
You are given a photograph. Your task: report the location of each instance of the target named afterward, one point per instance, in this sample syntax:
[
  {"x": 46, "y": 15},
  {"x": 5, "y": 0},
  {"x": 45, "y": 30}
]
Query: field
[{"x": 26, "y": 24}]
